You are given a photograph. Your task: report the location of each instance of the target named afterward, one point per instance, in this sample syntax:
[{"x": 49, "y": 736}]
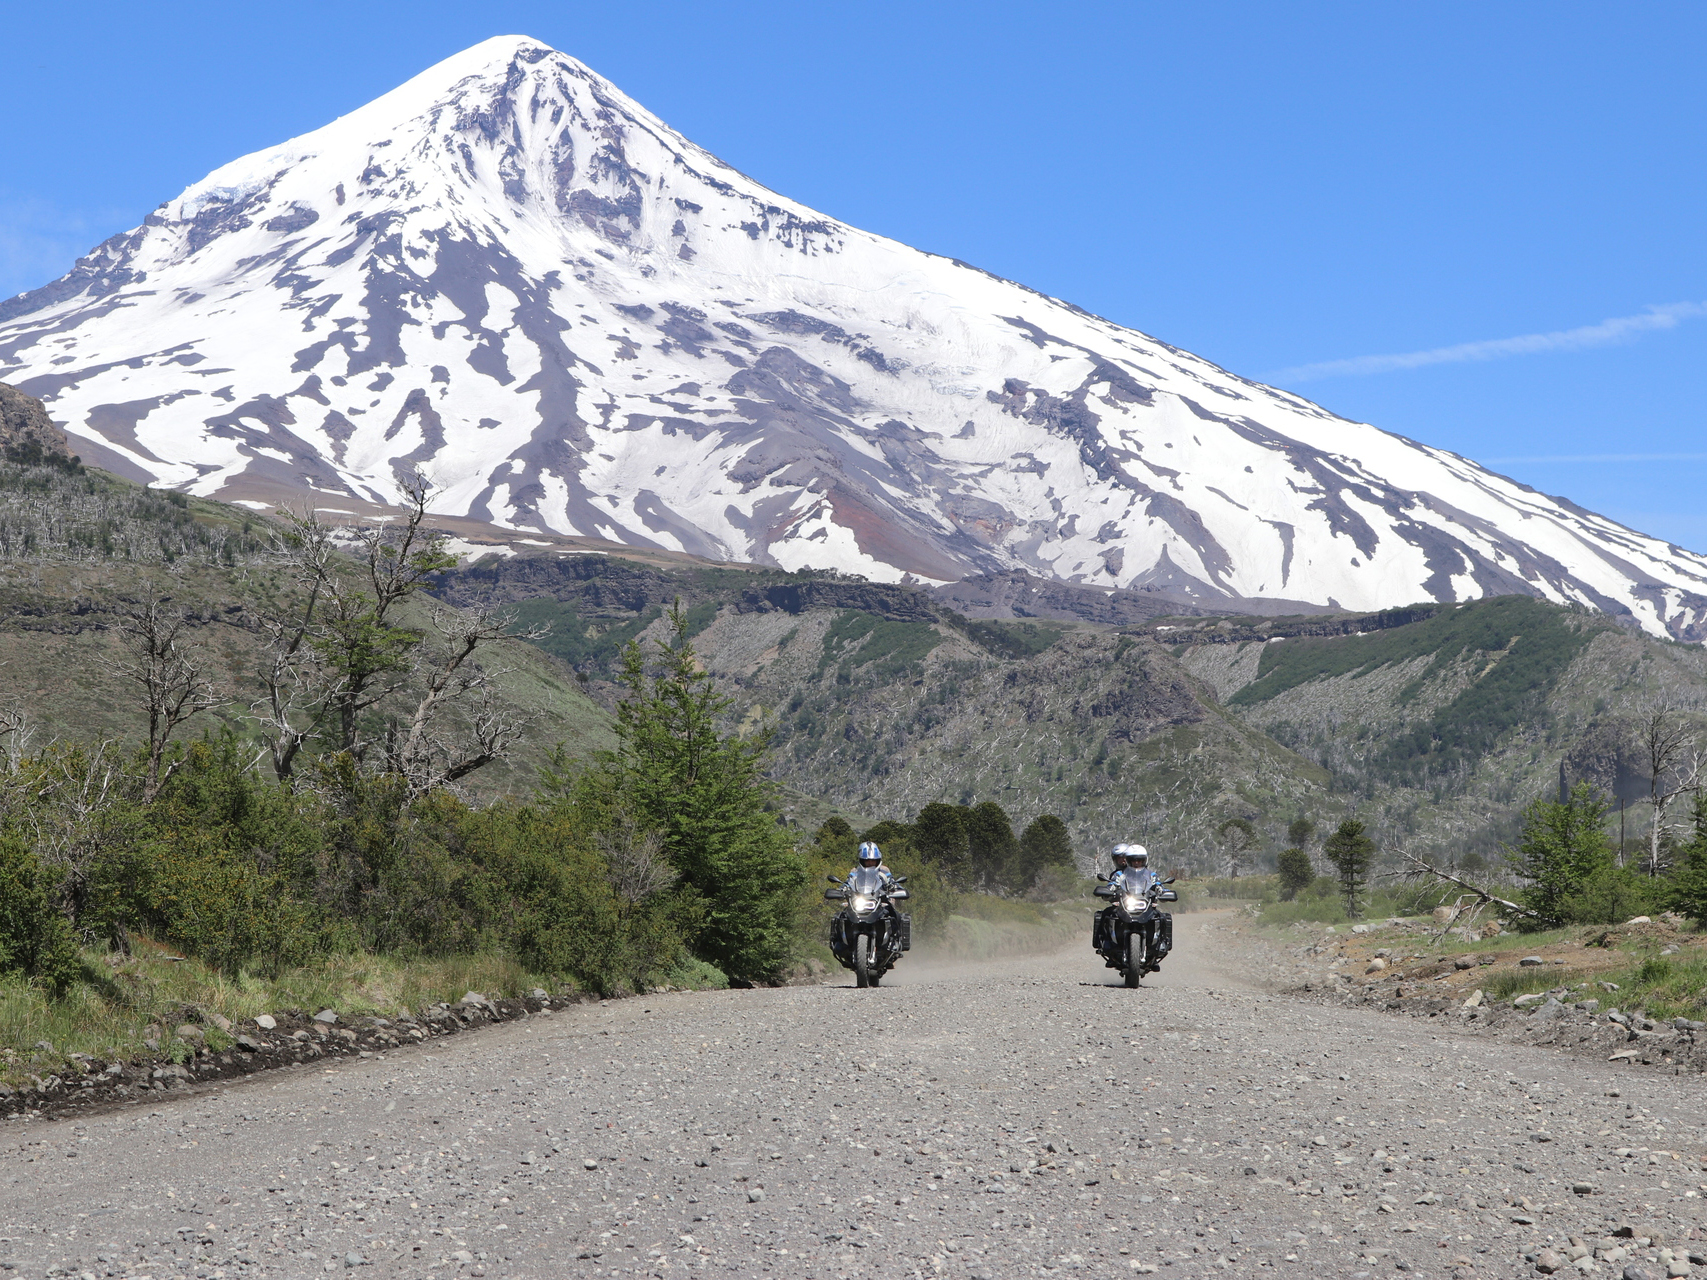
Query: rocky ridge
[{"x": 26, "y": 429}]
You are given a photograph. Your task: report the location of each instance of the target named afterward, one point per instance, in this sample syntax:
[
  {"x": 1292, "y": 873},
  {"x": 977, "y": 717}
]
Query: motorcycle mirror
[
  {"x": 900, "y": 879},
  {"x": 1170, "y": 879},
  {"x": 833, "y": 879},
  {"x": 1102, "y": 877}
]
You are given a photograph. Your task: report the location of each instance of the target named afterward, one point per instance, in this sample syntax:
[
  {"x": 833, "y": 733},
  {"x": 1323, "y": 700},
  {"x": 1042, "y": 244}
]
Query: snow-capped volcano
[{"x": 509, "y": 276}]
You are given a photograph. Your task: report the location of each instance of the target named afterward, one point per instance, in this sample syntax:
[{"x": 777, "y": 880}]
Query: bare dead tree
[
  {"x": 416, "y": 749},
  {"x": 170, "y": 678},
  {"x": 295, "y": 682},
  {"x": 1671, "y": 754},
  {"x": 1237, "y": 836},
  {"x": 439, "y": 760},
  {"x": 71, "y": 788},
  {"x": 638, "y": 868},
  {"x": 16, "y": 734},
  {"x": 1482, "y": 895},
  {"x": 348, "y": 616}
]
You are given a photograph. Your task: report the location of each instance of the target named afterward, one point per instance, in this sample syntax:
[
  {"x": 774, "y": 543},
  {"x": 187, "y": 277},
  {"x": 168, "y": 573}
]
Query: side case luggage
[{"x": 906, "y": 931}]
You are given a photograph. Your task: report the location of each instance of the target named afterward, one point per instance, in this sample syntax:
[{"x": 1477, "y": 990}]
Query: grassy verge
[
  {"x": 985, "y": 927},
  {"x": 1664, "y": 987},
  {"x": 127, "y": 1003}
]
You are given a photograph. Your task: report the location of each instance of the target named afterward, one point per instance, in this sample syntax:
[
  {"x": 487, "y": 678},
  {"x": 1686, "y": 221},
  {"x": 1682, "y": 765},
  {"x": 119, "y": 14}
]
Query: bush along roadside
[{"x": 133, "y": 882}]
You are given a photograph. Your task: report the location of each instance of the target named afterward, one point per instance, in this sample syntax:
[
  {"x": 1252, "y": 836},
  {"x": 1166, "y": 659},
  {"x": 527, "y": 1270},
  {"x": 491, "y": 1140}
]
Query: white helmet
[{"x": 1137, "y": 853}]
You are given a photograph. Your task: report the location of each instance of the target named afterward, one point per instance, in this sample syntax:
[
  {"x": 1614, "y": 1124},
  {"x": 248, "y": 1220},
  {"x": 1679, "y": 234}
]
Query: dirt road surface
[{"x": 1017, "y": 1118}]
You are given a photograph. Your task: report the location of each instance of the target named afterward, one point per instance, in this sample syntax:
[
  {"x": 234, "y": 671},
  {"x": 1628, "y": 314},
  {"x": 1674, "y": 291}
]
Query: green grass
[
  {"x": 1664, "y": 987},
  {"x": 125, "y": 1000},
  {"x": 1321, "y": 903},
  {"x": 986, "y": 906},
  {"x": 111, "y": 1014},
  {"x": 971, "y": 938},
  {"x": 1505, "y": 984}
]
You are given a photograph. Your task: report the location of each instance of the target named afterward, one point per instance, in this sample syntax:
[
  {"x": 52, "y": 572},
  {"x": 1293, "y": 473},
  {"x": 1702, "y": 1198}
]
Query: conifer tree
[
  {"x": 678, "y": 771},
  {"x": 1352, "y": 854}
]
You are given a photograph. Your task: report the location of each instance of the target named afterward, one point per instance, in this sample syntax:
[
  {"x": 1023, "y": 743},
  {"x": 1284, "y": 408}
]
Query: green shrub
[
  {"x": 1688, "y": 890},
  {"x": 1612, "y": 895},
  {"x": 35, "y": 938},
  {"x": 1564, "y": 854},
  {"x": 218, "y": 906},
  {"x": 1295, "y": 872}
]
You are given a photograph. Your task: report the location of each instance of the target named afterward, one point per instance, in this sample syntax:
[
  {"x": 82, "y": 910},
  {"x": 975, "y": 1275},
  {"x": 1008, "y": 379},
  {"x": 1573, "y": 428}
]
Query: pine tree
[
  {"x": 1689, "y": 885},
  {"x": 676, "y": 771},
  {"x": 990, "y": 846},
  {"x": 1295, "y": 872},
  {"x": 939, "y": 834},
  {"x": 1238, "y": 837},
  {"x": 1045, "y": 843},
  {"x": 1352, "y": 854},
  {"x": 1563, "y": 850}
]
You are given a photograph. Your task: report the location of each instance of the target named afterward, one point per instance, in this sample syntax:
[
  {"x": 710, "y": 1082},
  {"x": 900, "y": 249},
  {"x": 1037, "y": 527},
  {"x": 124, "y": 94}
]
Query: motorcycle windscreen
[
  {"x": 864, "y": 885},
  {"x": 865, "y": 881}
]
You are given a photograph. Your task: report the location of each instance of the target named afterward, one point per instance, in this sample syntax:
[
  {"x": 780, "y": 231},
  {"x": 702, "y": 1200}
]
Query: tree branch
[{"x": 1482, "y": 894}]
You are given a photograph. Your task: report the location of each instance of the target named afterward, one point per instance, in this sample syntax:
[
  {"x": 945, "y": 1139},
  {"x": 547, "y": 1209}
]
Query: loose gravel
[{"x": 1018, "y": 1118}]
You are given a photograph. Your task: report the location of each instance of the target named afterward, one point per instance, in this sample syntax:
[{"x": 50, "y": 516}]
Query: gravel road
[{"x": 1016, "y": 1118}]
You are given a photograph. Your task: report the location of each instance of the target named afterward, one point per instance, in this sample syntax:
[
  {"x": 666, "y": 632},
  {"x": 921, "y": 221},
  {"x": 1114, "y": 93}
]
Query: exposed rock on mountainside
[
  {"x": 1436, "y": 724},
  {"x": 509, "y": 275},
  {"x": 25, "y": 428}
]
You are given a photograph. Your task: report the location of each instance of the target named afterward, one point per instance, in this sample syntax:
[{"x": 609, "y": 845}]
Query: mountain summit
[{"x": 509, "y": 276}]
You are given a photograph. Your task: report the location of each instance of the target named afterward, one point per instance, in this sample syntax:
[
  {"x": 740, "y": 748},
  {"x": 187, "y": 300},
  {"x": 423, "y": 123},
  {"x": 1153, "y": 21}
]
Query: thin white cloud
[
  {"x": 1617, "y": 329},
  {"x": 1602, "y": 457}
]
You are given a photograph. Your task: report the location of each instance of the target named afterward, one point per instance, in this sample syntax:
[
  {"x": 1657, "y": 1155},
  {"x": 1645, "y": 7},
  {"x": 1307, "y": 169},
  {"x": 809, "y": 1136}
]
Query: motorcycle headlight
[
  {"x": 1132, "y": 902},
  {"x": 860, "y": 903}
]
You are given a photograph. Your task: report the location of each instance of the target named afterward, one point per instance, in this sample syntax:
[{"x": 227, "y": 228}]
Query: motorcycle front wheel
[
  {"x": 1134, "y": 958},
  {"x": 862, "y": 961}
]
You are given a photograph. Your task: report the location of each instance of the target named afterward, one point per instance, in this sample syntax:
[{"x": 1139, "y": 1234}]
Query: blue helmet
[{"x": 869, "y": 854}]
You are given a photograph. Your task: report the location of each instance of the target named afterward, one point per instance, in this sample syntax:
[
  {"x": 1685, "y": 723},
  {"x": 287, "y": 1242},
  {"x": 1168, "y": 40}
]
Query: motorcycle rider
[
  {"x": 871, "y": 859},
  {"x": 1117, "y": 856},
  {"x": 1137, "y": 878},
  {"x": 870, "y": 856}
]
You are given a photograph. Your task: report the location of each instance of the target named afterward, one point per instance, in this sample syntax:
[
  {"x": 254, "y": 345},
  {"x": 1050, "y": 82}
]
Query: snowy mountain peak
[{"x": 511, "y": 277}]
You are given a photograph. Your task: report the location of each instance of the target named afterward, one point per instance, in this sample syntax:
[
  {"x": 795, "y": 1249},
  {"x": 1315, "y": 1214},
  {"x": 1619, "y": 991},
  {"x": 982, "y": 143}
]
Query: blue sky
[{"x": 1504, "y": 202}]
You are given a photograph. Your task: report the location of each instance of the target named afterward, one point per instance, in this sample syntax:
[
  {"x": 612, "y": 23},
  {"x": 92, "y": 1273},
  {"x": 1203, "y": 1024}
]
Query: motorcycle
[
  {"x": 1132, "y": 934},
  {"x": 868, "y": 935}
]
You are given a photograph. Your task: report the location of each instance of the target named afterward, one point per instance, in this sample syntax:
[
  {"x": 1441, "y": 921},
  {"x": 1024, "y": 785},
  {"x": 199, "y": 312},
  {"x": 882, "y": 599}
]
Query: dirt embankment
[{"x": 1573, "y": 993}]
